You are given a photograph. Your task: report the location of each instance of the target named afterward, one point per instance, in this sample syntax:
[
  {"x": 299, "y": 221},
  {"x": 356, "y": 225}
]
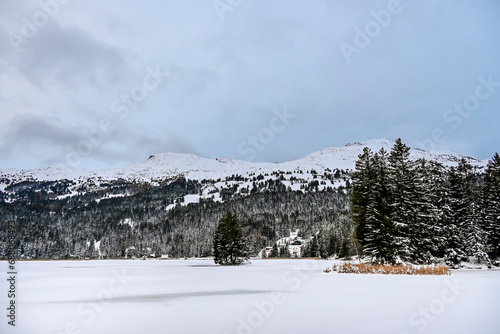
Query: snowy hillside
[{"x": 168, "y": 165}]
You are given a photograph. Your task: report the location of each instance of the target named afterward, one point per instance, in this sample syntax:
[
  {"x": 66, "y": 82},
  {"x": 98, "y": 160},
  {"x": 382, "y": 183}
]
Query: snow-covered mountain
[
  {"x": 167, "y": 165},
  {"x": 163, "y": 168}
]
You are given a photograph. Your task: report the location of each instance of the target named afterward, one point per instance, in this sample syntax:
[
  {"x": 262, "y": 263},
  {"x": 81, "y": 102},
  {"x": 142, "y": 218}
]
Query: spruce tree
[
  {"x": 323, "y": 251},
  {"x": 475, "y": 236},
  {"x": 427, "y": 233},
  {"x": 403, "y": 200},
  {"x": 362, "y": 181},
  {"x": 491, "y": 206},
  {"x": 315, "y": 251},
  {"x": 276, "y": 251},
  {"x": 380, "y": 230},
  {"x": 452, "y": 217},
  {"x": 460, "y": 213},
  {"x": 229, "y": 244},
  {"x": 307, "y": 250}
]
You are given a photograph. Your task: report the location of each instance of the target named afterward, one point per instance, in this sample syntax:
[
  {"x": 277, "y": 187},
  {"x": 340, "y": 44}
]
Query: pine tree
[
  {"x": 491, "y": 206},
  {"x": 276, "y": 251},
  {"x": 452, "y": 214},
  {"x": 427, "y": 233},
  {"x": 362, "y": 182},
  {"x": 314, "y": 251},
  {"x": 380, "y": 230},
  {"x": 323, "y": 252},
  {"x": 475, "y": 236},
  {"x": 403, "y": 200},
  {"x": 460, "y": 214},
  {"x": 306, "y": 251},
  {"x": 229, "y": 244}
]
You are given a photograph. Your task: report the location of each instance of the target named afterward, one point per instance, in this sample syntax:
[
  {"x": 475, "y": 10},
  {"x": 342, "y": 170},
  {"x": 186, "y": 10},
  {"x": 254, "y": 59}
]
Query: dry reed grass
[{"x": 368, "y": 268}]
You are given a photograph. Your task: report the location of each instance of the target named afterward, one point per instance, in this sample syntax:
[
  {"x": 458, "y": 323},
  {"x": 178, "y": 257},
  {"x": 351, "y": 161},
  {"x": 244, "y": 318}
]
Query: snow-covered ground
[{"x": 268, "y": 296}]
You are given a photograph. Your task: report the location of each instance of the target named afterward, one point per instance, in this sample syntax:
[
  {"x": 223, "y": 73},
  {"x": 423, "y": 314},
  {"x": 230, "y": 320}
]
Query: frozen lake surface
[{"x": 268, "y": 296}]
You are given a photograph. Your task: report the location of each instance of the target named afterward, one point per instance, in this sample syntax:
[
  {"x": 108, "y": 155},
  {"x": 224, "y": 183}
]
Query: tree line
[
  {"x": 421, "y": 211},
  {"x": 140, "y": 224}
]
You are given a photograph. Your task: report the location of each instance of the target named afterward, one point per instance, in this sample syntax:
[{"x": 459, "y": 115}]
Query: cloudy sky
[{"x": 106, "y": 83}]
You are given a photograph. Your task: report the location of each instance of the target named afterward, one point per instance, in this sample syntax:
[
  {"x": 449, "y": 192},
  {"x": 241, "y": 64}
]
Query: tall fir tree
[
  {"x": 401, "y": 176},
  {"x": 475, "y": 236},
  {"x": 323, "y": 249},
  {"x": 362, "y": 182},
  {"x": 315, "y": 251},
  {"x": 427, "y": 233},
  {"x": 276, "y": 250},
  {"x": 380, "y": 229},
  {"x": 229, "y": 244},
  {"x": 459, "y": 218},
  {"x": 491, "y": 206}
]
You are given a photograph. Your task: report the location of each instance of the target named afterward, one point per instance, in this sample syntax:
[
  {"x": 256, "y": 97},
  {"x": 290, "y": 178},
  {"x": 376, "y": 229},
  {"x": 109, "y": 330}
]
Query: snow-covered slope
[
  {"x": 163, "y": 166},
  {"x": 345, "y": 157}
]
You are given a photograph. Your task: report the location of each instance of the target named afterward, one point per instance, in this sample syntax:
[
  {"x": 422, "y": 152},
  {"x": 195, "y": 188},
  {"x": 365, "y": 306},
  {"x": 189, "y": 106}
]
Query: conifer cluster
[{"x": 420, "y": 211}]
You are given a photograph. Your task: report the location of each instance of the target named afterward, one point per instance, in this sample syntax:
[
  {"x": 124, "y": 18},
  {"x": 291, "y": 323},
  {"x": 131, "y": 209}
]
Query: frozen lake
[{"x": 269, "y": 296}]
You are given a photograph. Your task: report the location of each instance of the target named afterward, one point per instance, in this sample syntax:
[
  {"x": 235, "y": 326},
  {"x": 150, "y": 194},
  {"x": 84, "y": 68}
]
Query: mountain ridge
[{"x": 168, "y": 165}]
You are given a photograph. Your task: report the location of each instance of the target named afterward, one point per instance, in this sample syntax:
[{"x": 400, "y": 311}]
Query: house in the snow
[
  {"x": 296, "y": 248},
  {"x": 294, "y": 243}
]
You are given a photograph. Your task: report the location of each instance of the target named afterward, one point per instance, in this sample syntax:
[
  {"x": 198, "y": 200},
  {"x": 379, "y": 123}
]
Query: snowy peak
[
  {"x": 373, "y": 144},
  {"x": 348, "y": 155},
  {"x": 174, "y": 162},
  {"x": 183, "y": 163}
]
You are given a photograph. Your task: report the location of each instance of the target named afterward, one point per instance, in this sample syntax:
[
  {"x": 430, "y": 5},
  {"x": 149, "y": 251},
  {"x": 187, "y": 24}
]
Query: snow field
[{"x": 268, "y": 296}]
